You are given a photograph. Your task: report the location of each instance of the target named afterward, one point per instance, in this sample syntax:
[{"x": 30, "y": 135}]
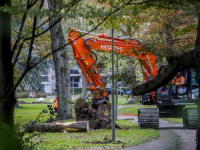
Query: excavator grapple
[{"x": 104, "y": 108}]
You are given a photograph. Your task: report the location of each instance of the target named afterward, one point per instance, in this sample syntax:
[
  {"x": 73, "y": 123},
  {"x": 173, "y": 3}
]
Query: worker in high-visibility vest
[
  {"x": 55, "y": 103},
  {"x": 179, "y": 80}
]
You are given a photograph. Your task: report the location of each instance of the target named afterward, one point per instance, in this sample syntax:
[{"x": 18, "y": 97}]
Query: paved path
[{"x": 170, "y": 139}]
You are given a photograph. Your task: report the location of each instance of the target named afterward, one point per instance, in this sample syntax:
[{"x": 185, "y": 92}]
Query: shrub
[
  {"x": 76, "y": 91},
  {"x": 22, "y": 94},
  {"x": 26, "y": 94},
  {"x": 39, "y": 94}
]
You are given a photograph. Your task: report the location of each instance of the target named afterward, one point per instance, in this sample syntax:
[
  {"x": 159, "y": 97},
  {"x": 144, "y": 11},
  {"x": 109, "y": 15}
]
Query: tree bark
[
  {"x": 78, "y": 126},
  {"x": 7, "y": 97},
  {"x": 61, "y": 62},
  {"x": 197, "y": 47}
]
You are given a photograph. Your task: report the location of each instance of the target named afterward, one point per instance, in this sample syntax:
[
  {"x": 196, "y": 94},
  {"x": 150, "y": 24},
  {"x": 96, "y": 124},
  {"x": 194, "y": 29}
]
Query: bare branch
[
  {"x": 117, "y": 9},
  {"x": 19, "y": 50},
  {"x": 53, "y": 23},
  {"x": 33, "y": 65}
]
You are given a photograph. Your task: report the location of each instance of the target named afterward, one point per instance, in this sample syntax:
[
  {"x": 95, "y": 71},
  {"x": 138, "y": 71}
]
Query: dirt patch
[
  {"x": 23, "y": 102},
  {"x": 50, "y": 120},
  {"x": 106, "y": 142},
  {"x": 41, "y": 103},
  {"x": 126, "y": 114},
  {"x": 85, "y": 112}
]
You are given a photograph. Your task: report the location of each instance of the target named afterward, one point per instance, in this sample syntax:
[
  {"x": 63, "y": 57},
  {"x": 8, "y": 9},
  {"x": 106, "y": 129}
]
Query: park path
[{"x": 169, "y": 139}]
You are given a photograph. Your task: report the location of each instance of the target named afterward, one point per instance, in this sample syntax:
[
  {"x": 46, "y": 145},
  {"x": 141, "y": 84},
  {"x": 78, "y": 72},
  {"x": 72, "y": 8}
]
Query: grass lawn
[
  {"x": 130, "y": 135},
  {"x": 26, "y": 112},
  {"x": 176, "y": 120},
  {"x": 30, "y": 100},
  {"x": 134, "y": 110}
]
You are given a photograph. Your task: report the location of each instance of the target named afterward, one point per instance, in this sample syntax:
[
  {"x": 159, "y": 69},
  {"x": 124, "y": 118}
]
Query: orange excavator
[
  {"x": 170, "y": 104},
  {"x": 86, "y": 61}
]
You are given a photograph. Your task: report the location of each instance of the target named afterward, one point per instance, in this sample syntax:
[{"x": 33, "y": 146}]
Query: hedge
[{"x": 26, "y": 94}]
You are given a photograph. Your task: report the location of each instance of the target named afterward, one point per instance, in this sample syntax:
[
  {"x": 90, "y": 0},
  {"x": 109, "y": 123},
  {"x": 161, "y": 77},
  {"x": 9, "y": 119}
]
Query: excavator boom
[{"x": 86, "y": 61}]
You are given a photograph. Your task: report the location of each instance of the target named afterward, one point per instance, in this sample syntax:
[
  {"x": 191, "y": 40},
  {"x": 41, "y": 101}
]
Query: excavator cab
[
  {"x": 174, "y": 102},
  {"x": 185, "y": 93}
]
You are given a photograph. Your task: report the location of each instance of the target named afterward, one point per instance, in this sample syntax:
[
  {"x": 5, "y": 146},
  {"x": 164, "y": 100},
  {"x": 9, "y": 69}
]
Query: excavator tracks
[
  {"x": 148, "y": 118},
  {"x": 190, "y": 121}
]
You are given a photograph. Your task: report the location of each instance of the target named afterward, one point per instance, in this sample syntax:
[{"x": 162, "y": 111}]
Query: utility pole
[
  {"x": 83, "y": 85},
  {"x": 113, "y": 98},
  {"x": 117, "y": 91},
  {"x": 73, "y": 79}
]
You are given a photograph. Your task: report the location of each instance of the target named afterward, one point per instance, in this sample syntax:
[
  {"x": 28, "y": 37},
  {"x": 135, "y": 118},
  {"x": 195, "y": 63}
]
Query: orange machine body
[
  {"x": 128, "y": 47},
  {"x": 56, "y": 103}
]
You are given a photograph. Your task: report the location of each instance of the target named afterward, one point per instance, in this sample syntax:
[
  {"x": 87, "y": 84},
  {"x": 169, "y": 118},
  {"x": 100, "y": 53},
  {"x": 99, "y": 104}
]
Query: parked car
[
  {"x": 89, "y": 92},
  {"x": 120, "y": 91},
  {"x": 128, "y": 92},
  {"x": 109, "y": 91}
]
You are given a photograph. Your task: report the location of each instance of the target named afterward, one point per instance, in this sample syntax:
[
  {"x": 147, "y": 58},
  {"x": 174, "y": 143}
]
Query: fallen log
[{"x": 78, "y": 126}]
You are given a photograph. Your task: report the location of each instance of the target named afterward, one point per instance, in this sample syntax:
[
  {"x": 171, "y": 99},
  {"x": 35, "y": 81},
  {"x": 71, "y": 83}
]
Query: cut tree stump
[
  {"x": 85, "y": 112},
  {"x": 78, "y": 126}
]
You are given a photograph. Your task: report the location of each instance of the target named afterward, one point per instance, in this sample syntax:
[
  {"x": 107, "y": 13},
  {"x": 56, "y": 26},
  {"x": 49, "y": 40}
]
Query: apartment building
[{"x": 76, "y": 79}]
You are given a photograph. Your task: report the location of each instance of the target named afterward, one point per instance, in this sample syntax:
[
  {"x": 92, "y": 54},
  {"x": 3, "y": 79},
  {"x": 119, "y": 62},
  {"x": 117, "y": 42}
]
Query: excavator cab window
[
  {"x": 177, "y": 89},
  {"x": 163, "y": 93},
  {"x": 179, "y": 85}
]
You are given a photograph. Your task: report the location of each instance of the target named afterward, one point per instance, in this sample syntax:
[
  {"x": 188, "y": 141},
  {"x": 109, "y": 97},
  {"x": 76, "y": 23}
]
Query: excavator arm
[{"x": 127, "y": 47}]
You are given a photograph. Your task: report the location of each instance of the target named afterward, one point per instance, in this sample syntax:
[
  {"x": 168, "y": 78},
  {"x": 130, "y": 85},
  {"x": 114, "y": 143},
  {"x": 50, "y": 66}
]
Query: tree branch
[
  {"x": 117, "y": 9},
  {"x": 177, "y": 63},
  {"x": 19, "y": 50},
  {"x": 53, "y": 23},
  {"x": 33, "y": 65}
]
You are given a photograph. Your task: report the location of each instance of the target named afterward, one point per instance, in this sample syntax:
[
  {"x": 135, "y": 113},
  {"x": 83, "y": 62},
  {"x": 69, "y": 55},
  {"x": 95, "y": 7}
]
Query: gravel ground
[{"x": 170, "y": 139}]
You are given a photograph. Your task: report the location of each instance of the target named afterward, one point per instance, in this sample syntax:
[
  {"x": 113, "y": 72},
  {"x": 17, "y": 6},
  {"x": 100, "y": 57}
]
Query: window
[
  {"x": 75, "y": 84},
  {"x": 45, "y": 78},
  {"x": 73, "y": 71},
  {"x": 45, "y": 72},
  {"x": 75, "y": 78}
]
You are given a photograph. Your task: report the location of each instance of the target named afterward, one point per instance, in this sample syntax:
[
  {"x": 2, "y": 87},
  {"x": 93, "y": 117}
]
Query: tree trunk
[
  {"x": 83, "y": 85},
  {"x": 7, "y": 98},
  {"x": 197, "y": 47},
  {"x": 61, "y": 62},
  {"x": 79, "y": 126}
]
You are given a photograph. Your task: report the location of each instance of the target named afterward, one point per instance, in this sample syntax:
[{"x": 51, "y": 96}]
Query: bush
[
  {"x": 76, "y": 91},
  {"x": 39, "y": 94},
  {"x": 22, "y": 94},
  {"x": 26, "y": 94}
]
